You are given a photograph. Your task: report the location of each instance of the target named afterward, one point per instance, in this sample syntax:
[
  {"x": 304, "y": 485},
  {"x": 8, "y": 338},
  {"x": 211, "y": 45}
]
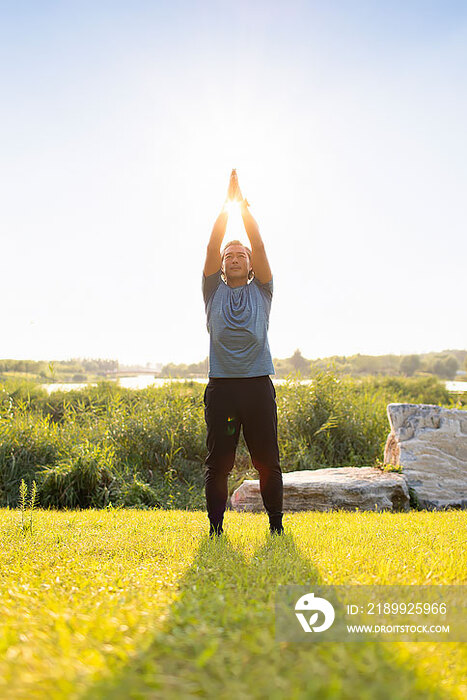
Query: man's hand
[{"x": 234, "y": 193}]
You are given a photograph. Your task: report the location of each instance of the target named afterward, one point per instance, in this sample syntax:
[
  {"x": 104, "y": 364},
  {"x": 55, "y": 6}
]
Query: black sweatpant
[{"x": 228, "y": 405}]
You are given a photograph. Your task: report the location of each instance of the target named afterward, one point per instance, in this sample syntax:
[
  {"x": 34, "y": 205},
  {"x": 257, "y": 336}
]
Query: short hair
[{"x": 251, "y": 273}]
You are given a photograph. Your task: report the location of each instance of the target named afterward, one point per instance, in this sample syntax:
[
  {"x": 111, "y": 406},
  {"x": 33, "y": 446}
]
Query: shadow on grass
[{"x": 219, "y": 640}]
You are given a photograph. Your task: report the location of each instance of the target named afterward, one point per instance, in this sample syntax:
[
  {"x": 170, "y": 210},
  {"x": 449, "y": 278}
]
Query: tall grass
[{"x": 109, "y": 446}]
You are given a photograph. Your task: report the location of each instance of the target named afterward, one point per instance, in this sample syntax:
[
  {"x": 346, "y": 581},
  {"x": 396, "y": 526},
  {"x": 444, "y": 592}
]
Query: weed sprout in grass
[{"x": 23, "y": 492}]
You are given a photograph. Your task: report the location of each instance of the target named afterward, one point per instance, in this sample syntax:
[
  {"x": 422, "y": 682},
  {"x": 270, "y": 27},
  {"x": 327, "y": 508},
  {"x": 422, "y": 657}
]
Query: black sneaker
[
  {"x": 275, "y": 525},
  {"x": 276, "y": 530},
  {"x": 215, "y": 530}
]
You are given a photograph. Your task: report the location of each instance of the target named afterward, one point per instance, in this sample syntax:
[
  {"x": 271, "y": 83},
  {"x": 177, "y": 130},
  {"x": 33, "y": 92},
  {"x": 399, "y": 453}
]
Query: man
[{"x": 237, "y": 289}]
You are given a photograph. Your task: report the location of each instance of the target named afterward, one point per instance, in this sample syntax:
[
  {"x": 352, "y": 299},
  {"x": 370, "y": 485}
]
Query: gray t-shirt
[{"x": 237, "y": 319}]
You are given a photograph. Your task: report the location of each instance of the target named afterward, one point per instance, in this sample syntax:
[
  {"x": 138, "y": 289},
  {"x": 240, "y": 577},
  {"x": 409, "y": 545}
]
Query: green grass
[{"x": 141, "y": 604}]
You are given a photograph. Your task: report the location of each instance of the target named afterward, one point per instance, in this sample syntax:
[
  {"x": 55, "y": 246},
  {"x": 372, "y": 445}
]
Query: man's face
[{"x": 236, "y": 263}]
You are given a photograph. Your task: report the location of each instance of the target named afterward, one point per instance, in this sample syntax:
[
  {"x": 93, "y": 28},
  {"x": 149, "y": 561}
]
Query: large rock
[
  {"x": 347, "y": 488},
  {"x": 430, "y": 443}
]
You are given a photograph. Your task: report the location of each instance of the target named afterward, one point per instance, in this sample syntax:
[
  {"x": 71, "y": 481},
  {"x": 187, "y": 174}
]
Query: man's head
[{"x": 236, "y": 264}]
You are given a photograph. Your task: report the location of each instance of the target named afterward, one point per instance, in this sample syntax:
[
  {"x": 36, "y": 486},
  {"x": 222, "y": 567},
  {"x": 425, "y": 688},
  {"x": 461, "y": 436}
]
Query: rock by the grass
[
  {"x": 430, "y": 443},
  {"x": 346, "y": 488}
]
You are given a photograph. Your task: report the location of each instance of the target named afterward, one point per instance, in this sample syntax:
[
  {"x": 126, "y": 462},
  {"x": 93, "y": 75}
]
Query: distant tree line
[
  {"x": 194, "y": 370},
  {"x": 443, "y": 365},
  {"x": 76, "y": 369}
]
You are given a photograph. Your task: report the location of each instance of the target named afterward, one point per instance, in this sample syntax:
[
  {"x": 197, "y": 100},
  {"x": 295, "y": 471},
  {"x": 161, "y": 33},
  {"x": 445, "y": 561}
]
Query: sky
[{"x": 121, "y": 121}]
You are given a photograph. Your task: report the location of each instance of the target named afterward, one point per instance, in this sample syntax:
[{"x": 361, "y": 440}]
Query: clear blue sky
[{"x": 120, "y": 123}]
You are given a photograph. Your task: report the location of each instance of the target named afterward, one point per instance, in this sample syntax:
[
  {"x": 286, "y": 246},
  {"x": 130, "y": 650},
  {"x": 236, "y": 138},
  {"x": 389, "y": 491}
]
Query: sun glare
[
  {"x": 232, "y": 207},
  {"x": 235, "y": 227}
]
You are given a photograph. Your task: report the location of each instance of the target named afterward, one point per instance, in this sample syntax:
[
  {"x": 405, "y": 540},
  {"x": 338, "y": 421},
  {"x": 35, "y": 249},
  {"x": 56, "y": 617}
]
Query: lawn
[{"x": 141, "y": 604}]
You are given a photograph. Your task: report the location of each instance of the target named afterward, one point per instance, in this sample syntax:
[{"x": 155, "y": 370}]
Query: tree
[
  {"x": 299, "y": 363},
  {"x": 409, "y": 364},
  {"x": 445, "y": 367},
  {"x": 451, "y": 366}
]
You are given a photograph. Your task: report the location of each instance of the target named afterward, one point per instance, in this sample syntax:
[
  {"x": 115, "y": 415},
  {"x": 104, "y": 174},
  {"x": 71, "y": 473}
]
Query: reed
[{"x": 106, "y": 445}]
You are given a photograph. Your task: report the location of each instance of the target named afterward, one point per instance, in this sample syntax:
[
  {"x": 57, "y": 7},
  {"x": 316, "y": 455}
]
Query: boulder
[
  {"x": 346, "y": 488},
  {"x": 430, "y": 444}
]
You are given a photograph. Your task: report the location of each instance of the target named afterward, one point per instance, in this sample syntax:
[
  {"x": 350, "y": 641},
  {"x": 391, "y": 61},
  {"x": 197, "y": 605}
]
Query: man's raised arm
[
  {"x": 259, "y": 261},
  {"x": 213, "y": 253}
]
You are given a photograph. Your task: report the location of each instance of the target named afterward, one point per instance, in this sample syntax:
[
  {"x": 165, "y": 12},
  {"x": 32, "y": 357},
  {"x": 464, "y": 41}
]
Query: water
[
  {"x": 456, "y": 386},
  {"x": 141, "y": 381}
]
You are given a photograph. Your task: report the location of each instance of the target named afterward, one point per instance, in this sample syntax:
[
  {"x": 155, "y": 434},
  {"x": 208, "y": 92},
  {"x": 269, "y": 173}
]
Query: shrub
[
  {"x": 327, "y": 424},
  {"x": 84, "y": 479},
  {"x": 138, "y": 493},
  {"x": 27, "y": 442}
]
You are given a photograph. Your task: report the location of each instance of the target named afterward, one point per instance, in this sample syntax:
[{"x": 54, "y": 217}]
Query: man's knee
[
  {"x": 221, "y": 465},
  {"x": 267, "y": 466},
  {"x": 265, "y": 457}
]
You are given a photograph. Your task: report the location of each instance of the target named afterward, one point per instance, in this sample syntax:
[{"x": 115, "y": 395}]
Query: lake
[{"x": 141, "y": 381}]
